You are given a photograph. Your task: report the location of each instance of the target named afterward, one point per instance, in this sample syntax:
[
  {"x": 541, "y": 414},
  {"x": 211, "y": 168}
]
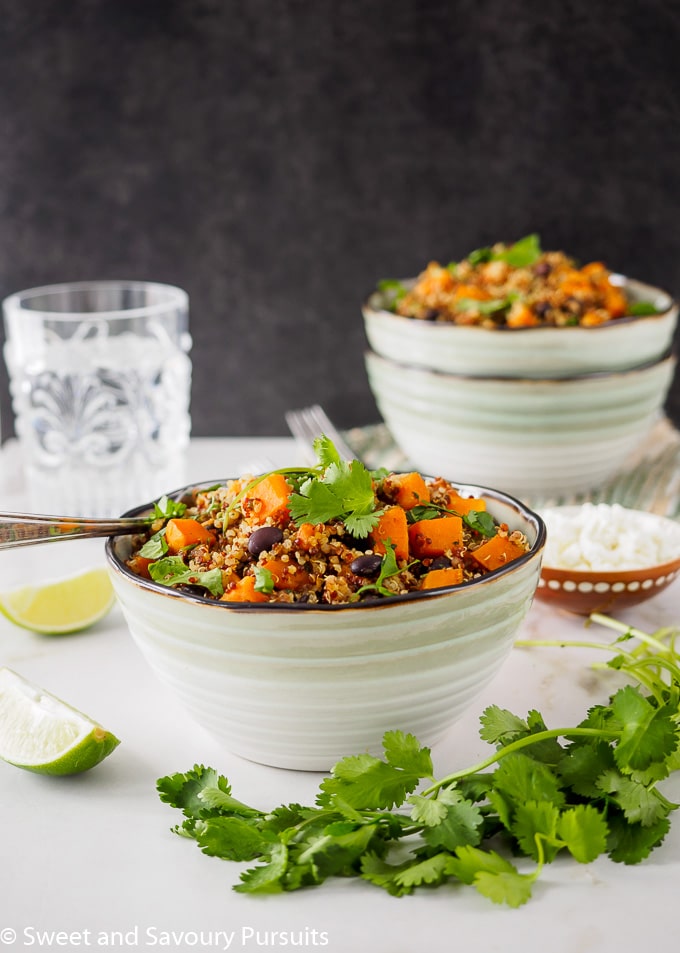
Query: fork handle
[{"x": 24, "y": 529}]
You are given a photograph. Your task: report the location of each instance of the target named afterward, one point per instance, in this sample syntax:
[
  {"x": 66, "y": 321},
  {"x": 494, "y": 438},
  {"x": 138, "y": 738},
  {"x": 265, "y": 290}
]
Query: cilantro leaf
[
  {"x": 460, "y": 825},
  {"x": 630, "y": 843},
  {"x": 166, "y": 508},
  {"x": 405, "y": 751},
  {"x": 641, "y": 309},
  {"x": 584, "y": 832},
  {"x": 264, "y": 580},
  {"x": 341, "y": 490},
  {"x": 492, "y": 875},
  {"x": 523, "y": 253},
  {"x": 155, "y": 547},
  {"x": 173, "y": 571},
  {"x": 267, "y": 878},
  {"x": 231, "y": 838},
  {"x": 500, "y": 725}
]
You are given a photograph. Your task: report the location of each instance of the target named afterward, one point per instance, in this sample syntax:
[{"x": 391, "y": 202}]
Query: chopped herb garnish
[
  {"x": 173, "y": 571},
  {"x": 155, "y": 547},
  {"x": 166, "y": 508},
  {"x": 394, "y": 290},
  {"x": 523, "y": 253},
  {"x": 264, "y": 581},
  {"x": 642, "y": 308},
  {"x": 336, "y": 489}
]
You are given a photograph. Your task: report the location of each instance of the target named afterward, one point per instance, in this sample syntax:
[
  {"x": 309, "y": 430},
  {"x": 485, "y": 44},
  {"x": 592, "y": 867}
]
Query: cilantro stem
[{"x": 517, "y": 745}]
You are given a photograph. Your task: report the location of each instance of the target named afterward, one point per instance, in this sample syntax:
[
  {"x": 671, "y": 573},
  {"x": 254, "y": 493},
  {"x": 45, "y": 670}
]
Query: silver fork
[{"x": 308, "y": 423}]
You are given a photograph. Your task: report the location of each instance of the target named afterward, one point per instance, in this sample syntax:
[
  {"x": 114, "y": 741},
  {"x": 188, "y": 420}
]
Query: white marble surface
[{"x": 93, "y": 855}]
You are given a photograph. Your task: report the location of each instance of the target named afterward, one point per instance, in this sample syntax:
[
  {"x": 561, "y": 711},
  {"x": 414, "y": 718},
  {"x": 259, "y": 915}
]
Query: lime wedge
[
  {"x": 41, "y": 733},
  {"x": 66, "y": 605}
]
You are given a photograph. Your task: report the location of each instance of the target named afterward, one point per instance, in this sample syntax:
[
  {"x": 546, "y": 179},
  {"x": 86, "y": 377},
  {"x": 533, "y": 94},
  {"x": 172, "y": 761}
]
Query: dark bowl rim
[
  {"x": 622, "y": 280},
  {"x": 526, "y": 512}
]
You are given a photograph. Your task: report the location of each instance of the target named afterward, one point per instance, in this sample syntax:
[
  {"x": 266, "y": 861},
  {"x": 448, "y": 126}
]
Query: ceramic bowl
[
  {"x": 526, "y": 352},
  {"x": 301, "y": 686},
  {"x": 583, "y": 591},
  {"x": 531, "y": 437}
]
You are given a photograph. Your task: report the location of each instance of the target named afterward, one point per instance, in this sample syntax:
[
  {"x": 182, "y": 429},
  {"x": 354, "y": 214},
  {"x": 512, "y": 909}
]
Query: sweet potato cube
[
  {"x": 497, "y": 552},
  {"x": 391, "y": 529},
  {"x": 435, "y": 537},
  {"x": 286, "y": 575},
  {"x": 409, "y": 490},
  {"x": 436, "y": 578},
  {"x": 244, "y": 591},
  {"x": 267, "y": 499},
  {"x": 181, "y": 533},
  {"x": 464, "y": 504}
]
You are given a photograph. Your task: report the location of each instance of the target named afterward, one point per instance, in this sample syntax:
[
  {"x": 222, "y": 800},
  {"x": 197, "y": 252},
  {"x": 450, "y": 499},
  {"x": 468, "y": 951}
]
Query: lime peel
[
  {"x": 41, "y": 733},
  {"x": 63, "y": 606}
]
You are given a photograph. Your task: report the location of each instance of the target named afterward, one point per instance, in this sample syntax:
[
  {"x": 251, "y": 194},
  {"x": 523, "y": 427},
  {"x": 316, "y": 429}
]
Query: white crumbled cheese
[{"x": 600, "y": 537}]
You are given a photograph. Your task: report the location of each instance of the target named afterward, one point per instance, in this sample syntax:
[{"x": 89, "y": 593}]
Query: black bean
[
  {"x": 191, "y": 590},
  {"x": 264, "y": 538},
  {"x": 431, "y": 314},
  {"x": 441, "y": 562},
  {"x": 368, "y": 565},
  {"x": 542, "y": 268}
]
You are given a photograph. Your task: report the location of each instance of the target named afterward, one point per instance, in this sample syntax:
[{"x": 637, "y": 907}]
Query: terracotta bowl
[{"x": 585, "y": 590}]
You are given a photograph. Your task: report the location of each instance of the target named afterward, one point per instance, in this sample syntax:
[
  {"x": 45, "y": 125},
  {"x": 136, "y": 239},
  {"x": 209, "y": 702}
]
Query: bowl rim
[
  {"x": 623, "y": 281},
  {"x": 534, "y": 519},
  {"x": 669, "y": 357}
]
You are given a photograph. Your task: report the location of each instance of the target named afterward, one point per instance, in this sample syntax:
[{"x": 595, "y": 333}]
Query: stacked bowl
[{"x": 540, "y": 410}]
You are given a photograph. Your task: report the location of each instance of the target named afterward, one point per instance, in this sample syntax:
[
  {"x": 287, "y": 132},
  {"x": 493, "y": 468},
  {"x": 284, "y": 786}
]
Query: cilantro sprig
[
  {"x": 585, "y": 790},
  {"x": 336, "y": 489}
]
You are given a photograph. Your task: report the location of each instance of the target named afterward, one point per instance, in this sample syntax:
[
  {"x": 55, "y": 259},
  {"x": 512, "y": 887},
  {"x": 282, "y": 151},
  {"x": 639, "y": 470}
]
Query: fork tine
[{"x": 308, "y": 423}]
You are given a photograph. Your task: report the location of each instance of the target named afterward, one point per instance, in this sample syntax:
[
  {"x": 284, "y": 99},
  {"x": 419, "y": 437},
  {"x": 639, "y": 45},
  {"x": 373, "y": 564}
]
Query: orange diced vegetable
[
  {"x": 465, "y": 504},
  {"x": 521, "y": 316},
  {"x": 471, "y": 291},
  {"x": 409, "y": 489},
  {"x": 436, "y": 578},
  {"x": 615, "y": 301},
  {"x": 392, "y": 529},
  {"x": 436, "y": 536},
  {"x": 180, "y": 533},
  {"x": 140, "y": 565},
  {"x": 497, "y": 552},
  {"x": 244, "y": 591},
  {"x": 306, "y": 536},
  {"x": 267, "y": 499},
  {"x": 286, "y": 575}
]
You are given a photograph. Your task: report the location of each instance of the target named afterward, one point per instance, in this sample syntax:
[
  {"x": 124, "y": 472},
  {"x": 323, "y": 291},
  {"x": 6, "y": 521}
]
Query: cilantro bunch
[{"x": 586, "y": 790}]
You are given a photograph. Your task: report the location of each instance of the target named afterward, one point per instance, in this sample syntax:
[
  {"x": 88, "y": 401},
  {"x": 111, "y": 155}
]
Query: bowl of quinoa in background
[
  {"x": 293, "y": 639},
  {"x": 517, "y": 310},
  {"x": 601, "y": 557}
]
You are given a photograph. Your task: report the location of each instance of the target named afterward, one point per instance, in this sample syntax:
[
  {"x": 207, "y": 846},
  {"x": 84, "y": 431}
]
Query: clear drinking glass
[{"x": 100, "y": 379}]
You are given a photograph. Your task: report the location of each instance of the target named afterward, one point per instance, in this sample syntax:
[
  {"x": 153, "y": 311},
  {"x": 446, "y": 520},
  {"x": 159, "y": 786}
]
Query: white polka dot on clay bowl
[{"x": 584, "y": 592}]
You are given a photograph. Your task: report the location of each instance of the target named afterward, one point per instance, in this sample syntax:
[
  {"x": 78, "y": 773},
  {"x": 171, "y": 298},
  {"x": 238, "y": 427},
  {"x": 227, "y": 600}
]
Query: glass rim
[{"x": 15, "y": 303}]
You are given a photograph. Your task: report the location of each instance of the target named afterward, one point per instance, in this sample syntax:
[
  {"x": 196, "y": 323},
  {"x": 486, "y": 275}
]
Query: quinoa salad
[
  {"x": 333, "y": 534},
  {"x": 512, "y": 286}
]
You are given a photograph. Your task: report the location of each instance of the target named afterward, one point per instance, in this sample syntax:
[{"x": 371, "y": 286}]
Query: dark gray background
[{"x": 277, "y": 157}]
